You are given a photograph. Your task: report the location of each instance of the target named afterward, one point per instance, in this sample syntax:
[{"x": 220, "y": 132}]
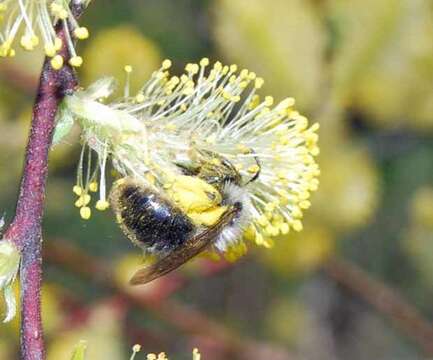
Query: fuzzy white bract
[
  {"x": 32, "y": 22},
  {"x": 209, "y": 109},
  {"x": 9, "y": 265}
]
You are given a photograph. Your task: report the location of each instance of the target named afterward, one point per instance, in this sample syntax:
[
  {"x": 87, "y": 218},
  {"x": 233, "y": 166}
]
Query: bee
[{"x": 152, "y": 220}]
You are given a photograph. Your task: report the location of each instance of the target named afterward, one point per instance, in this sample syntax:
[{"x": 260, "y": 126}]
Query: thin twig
[
  {"x": 25, "y": 231},
  {"x": 384, "y": 299}
]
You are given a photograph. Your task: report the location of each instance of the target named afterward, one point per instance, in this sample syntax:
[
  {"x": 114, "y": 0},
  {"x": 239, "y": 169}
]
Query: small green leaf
[
  {"x": 80, "y": 351},
  {"x": 65, "y": 121}
]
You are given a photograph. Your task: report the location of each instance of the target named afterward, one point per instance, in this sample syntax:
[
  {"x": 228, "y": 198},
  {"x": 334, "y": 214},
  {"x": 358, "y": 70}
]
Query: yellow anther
[
  {"x": 271, "y": 206},
  {"x": 250, "y": 233},
  {"x": 83, "y": 200},
  {"x": 284, "y": 228},
  {"x": 269, "y": 100},
  {"x": 244, "y": 74},
  {"x": 81, "y": 33},
  {"x": 271, "y": 230},
  {"x": 297, "y": 212},
  {"x": 305, "y": 204},
  {"x": 259, "y": 83},
  {"x": 93, "y": 186},
  {"x": 218, "y": 66},
  {"x": 259, "y": 239},
  {"x": 85, "y": 213},
  {"x": 50, "y": 50},
  {"x": 233, "y": 68},
  {"x": 192, "y": 68},
  {"x": 76, "y": 61},
  {"x": 166, "y": 64},
  {"x": 139, "y": 98},
  {"x": 151, "y": 357},
  {"x": 196, "y": 355},
  {"x": 252, "y": 76},
  {"x": 128, "y": 69},
  {"x": 102, "y": 205},
  {"x": 136, "y": 348},
  {"x": 297, "y": 225},
  {"x": 204, "y": 62},
  {"x": 286, "y": 103},
  {"x": 57, "y": 62},
  {"x": 77, "y": 190},
  {"x": 262, "y": 220},
  {"x": 29, "y": 42},
  {"x": 162, "y": 356}
]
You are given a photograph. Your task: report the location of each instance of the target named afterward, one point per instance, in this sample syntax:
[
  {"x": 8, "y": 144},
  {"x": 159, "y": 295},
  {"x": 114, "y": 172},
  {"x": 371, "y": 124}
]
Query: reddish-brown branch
[
  {"x": 25, "y": 230},
  {"x": 385, "y": 300}
]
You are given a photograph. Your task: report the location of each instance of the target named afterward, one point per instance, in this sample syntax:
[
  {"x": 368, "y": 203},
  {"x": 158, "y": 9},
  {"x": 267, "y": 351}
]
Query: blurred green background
[{"x": 364, "y": 70}]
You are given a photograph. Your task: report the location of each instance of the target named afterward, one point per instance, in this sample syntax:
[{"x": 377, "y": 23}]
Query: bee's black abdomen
[{"x": 151, "y": 220}]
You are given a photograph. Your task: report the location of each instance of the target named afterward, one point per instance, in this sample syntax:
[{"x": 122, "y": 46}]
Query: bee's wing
[{"x": 181, "y": 255}]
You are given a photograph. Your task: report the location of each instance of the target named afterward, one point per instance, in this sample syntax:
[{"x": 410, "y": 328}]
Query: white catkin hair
[{"x": 232, "y": 233}]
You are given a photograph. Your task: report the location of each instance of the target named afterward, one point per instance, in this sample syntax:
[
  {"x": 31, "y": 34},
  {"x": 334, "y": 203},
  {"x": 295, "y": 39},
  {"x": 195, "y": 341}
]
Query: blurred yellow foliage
[
  {"x": 110, "y": 50},
  {"x": 299, "y": 252},
  {"x": 384, "y": 60},
  {"x": 52, "y": 314},
  {"x": 284, "y": 42},
  {"x": 287, "y": 319},
  {"x": 349, "y": 188},
  {"x": 102, "y": 331}
]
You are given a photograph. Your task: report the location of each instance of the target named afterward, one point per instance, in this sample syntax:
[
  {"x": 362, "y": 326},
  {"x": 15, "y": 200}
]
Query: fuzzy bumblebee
[{"x": 204, "y": 163}]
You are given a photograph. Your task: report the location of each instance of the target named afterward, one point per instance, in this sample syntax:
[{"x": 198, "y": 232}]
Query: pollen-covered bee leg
[{"x": 182, "y": 254}]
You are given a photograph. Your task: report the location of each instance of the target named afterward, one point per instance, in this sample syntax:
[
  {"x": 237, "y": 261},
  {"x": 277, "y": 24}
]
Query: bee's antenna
[{"x": 257, "y": 174}]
